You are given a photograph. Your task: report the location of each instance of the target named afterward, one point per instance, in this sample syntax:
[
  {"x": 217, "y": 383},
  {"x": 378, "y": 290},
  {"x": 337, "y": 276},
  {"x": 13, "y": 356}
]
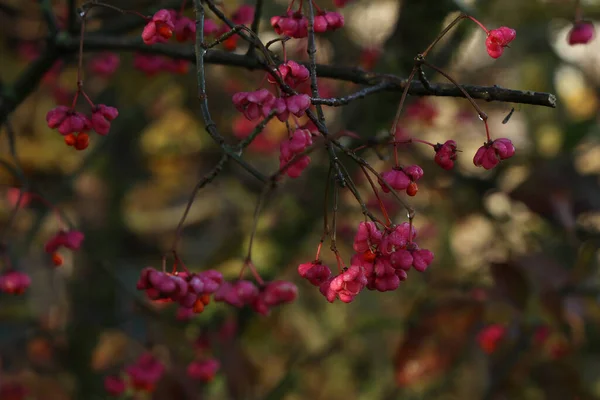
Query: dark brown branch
[
  {"x": 257, "y": 15},
  {"x": 349, "y": 74},
  {"x": 206, "y": 179},
  {"x": 13, "y": 95}
]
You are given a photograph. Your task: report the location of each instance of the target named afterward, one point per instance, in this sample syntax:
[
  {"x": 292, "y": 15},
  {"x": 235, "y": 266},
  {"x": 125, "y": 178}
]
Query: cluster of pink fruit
[
  {"x": 143, "y": 375},
  {"x": 16, "y": 282},
  {"x": 381, "y": 262},
  {"x": 73, "y": 125},
  {"x": 192, "y": 291}
]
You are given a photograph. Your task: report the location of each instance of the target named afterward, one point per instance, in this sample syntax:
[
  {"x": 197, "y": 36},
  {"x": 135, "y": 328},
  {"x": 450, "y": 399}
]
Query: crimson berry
[
  {"x": 66, "y": 120},
  {"x": 412, "y": 189},
  {"x": 70, "y": 239},
  {"x": 14, "y": 282},
  {"x": 401, "y": 178},
  {"x": 82, "y": 142},
  {"x": 230, "y": 44},
  {"x": 293, "y": 24},
  {"x": 397, "y": 238},
  {"x": 105, "y": 64},
  {"x": 57, "y": 260},
  {"x": 489, "y": 337},
  {"x": 114, "y": 385},
  {"x": 145, "y": 373},
  {"x": 315, "y": 272},
  {"x": 70, "y": 139},
  {"x": 582, "y": 32},
  {"x": 367, "y": 235},
  {"x": 149, "y": 64},
  {"x": 200, "y": 303},
  {"x": 238, "y": 294},
  {"x": 251, "y": 103},
  {"x": 445, "y": 154},
  {"x": 346, "y": 285},
  {"x": 102, "y": 115},
  {"x": 369, "y": 256},
  {"x": 185, "y": 29},
  {"x": 498, "y": 39},
  {"x": 159, "y": 29},
  {"x": 204, "y": 370},
  {"x": 14, "y": 196},
  {"x": 492, "y": 152}
]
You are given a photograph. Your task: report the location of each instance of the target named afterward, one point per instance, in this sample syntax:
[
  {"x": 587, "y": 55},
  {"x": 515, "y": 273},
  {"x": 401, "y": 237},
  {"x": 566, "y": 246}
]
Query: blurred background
[{"x": 508, "y": 309}]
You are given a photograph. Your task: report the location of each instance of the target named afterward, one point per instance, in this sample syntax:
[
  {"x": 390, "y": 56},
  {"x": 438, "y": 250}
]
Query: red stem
[
  {"x": 183, "y": 4},
  {"x": 88, "y": 99},
  {"x": 401, "y": 105},
  {"x": 578, "y": 11},
  {"x": 74, "y": 103},
  {"x": 422, "y": 141},
  {"x": 80, "y": 61},
  {"x": 381, "y": 205},
  {"x": 179, "y": 262},
  {"x": 479, "y": 23},
  {"x": 339, "y": 260},
  {"x": 319, "y": 248},
  {"x": 253, "y": 270},
  {"x": 291, "y": 5},
  {"x": 317, "y": 7}
]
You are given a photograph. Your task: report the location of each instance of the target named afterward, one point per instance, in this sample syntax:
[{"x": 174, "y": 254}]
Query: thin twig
[
  {"x": 361, "y": 94},
  {"x": 206, "y": 179},
  {"x": 210, "y": 125},
  {"x": 224, "y": 37},
  {"x": 257, "y": 130},
  {"x": 255, "y": 23},
  {"x": 482, "y": 115},
  {"x": 363, "y": 162}
]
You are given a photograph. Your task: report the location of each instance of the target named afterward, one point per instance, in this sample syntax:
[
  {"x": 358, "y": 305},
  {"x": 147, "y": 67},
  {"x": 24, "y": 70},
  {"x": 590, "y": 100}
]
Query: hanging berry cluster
[
  {"x": 15, "y": 282},
  {"x": 381, "y": 262},
  {"x": 160, "y": 28}
]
